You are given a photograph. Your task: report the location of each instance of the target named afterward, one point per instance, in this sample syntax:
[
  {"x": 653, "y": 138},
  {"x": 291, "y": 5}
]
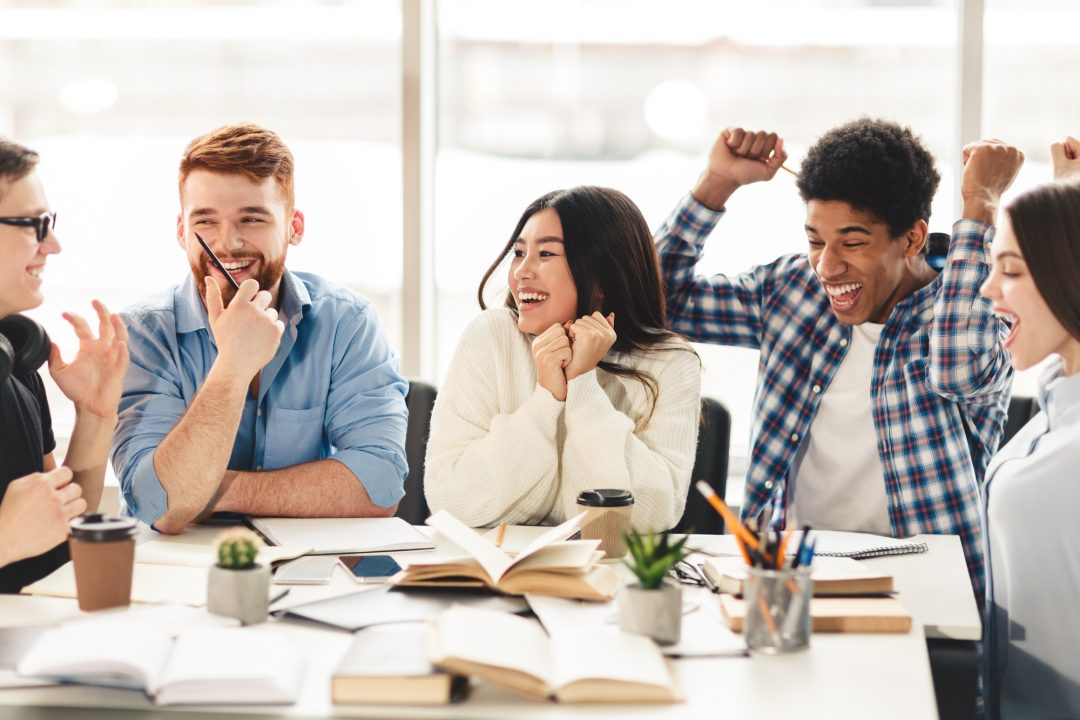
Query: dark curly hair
[{"x": 875, "y": 166}]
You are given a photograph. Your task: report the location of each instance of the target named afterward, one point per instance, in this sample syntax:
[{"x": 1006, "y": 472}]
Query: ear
[
  {"x": 296, "y": 228},
  {"x": 915, "y": 239},
  {"x": 181, "y": 240}
]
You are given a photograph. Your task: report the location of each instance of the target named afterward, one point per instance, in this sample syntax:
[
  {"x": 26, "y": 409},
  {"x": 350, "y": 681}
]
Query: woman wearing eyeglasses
[
  {"x": 1032, "y": 491},
  {"x": 37, "y": 498}
]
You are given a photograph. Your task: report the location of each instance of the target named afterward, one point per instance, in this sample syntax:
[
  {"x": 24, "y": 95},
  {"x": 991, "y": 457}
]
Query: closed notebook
[
  {"x": 202, "y": 665},
  {"x": 549, "y": 565},
  {"x": 836, "y": 614},
  {"x": 388, "y": 665},
  {"x": 830, "y": 575},
  {"x": 341, "y": 536},
  {"x": 580, "y": 667}
]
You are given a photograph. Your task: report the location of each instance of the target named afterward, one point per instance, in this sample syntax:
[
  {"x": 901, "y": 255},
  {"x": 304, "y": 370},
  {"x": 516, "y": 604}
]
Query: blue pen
[{"x": 810, "y": 552}]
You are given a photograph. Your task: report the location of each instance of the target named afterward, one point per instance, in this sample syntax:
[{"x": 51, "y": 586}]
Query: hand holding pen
[{"x": 247, "y": 333}]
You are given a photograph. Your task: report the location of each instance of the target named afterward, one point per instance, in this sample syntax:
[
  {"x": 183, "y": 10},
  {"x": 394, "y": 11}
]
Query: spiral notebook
[{"x": 835, "y": 543}]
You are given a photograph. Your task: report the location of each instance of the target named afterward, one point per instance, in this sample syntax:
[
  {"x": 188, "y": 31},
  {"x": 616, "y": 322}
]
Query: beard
[{"x": 268, "y": 276}]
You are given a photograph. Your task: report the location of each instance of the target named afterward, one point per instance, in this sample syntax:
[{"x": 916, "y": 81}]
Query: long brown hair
[
  {"x": 609, "y": 249},
  {"x": 1046, "y": 222}
]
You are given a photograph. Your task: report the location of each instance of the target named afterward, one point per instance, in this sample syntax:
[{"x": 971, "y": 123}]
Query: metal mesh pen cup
[{"x": 777, "y": 609}]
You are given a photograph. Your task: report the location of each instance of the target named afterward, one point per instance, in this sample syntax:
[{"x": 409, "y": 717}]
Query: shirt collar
[
  {"x": 1059, "y": 395},
  {"x": 191, "y": 312}
]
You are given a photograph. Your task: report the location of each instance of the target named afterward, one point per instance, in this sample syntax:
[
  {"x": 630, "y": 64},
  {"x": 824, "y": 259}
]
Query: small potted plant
[
  {"x": 652, "y": 606},
  {"x": 238, "y": 586}
]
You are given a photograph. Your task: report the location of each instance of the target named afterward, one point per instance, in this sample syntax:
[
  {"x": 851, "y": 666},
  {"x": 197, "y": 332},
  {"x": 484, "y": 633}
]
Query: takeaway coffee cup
[
  {"x": 103, "y": 551},
  {"x": 607, "y": 519}
]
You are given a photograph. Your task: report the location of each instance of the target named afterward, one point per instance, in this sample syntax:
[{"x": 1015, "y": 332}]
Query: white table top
[{"x": 840, "y": 676}]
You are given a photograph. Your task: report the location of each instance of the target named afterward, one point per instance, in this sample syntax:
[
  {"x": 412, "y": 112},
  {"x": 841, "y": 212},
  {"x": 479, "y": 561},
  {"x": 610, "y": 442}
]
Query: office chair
[
  {"x": 420, "y": 400},
  {"x": 710, "y": 465},
  {"x": 1021, "y": 409}
]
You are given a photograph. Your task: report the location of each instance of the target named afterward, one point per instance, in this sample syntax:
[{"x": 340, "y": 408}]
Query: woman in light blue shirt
[{"x": 1031, "y": 657}]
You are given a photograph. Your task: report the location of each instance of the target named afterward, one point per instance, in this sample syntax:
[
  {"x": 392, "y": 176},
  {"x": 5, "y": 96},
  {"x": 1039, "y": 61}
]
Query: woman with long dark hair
[
  {"x": 574, "y": 383},
  {"x": 1032, "y": 490}
]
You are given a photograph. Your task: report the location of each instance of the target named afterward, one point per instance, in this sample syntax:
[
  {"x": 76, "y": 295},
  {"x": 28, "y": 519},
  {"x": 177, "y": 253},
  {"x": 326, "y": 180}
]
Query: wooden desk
[{"x": 840, "y": 676}]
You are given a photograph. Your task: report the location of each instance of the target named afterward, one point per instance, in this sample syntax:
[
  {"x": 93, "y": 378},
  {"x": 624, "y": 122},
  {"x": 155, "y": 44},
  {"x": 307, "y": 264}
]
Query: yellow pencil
[
  {"x": 737, "y": 527},
  {"x": 499, "y": 535},
  {"x": 785, "y": 167}
]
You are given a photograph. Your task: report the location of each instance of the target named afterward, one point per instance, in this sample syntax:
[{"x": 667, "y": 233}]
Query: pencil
[
  {"x": 499, "y": 535},
  {"x": 217, "y": 263},
  {"x": 785, "y": 167},
  {"x": 721, "y": 507},
  {"x": 783, "y": 546}
]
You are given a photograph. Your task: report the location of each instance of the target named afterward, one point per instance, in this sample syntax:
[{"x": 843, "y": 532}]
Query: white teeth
[
  {"x": 835, "y": 290},
  {"x": 35, "y": 272},
  {"x": 532, "y": 297},
  {"x": 236, "y": 265}
]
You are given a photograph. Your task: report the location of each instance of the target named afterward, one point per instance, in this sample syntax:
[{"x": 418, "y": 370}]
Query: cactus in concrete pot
[
  {"x": 652, "y": 606},
  {"x": 239, "y": 586}
]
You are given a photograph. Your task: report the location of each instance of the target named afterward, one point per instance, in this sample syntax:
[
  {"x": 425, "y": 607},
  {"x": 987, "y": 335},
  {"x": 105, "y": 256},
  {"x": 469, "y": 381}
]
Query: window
[{"x": 110, "y": 95}]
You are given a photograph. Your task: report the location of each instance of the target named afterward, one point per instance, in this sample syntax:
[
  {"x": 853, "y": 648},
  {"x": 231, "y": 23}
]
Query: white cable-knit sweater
[{"x": 503, "y": 449}]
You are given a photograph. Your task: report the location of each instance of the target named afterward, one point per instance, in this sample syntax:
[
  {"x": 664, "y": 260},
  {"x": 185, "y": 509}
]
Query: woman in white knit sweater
[{"x": 575, "y": 384}]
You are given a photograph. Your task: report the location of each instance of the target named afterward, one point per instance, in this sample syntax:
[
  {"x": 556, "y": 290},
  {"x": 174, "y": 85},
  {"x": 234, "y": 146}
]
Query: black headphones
[{"x": 24, "y": 345}]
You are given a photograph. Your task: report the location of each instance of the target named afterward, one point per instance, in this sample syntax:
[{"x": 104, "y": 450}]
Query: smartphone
[
  {"x": 369, "y": 568},
  {"x": 307, "y": 570}
]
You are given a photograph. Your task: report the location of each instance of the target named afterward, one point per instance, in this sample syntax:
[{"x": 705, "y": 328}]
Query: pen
[
  {"x": 279, "y": 596},
  {"x": 499, "y": 535},
  {"x": 217, "y": 263},
  {"x": 802, "y": 546}
]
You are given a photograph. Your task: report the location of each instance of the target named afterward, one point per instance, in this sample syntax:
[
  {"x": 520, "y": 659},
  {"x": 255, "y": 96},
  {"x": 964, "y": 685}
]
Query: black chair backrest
[
  {"x": 420, "y": 400},
  {"x": 710, "y": 465},
  {"x": 1021, "y": 409}
]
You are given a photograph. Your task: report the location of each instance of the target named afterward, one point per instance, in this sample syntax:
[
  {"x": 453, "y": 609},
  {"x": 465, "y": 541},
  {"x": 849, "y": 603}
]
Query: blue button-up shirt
[
  {"x": 331, "y": 390},
  {"x": 941, "y": 375}
]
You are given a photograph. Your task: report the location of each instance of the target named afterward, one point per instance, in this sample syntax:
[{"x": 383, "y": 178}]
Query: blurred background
[{"x": 524, "y": 97}]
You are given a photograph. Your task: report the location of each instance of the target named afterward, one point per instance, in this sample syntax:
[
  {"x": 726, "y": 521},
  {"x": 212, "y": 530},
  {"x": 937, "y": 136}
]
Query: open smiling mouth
[
  {"x": 529, "y": 300},
  {"x": 843, "y": 297},
  {"x": 236, "y": 268}
]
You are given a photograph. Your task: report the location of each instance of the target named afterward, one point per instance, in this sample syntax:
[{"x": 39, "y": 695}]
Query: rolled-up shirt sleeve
[
  {"x": 150, "y": 406},
  {"x": 366, "y": 415}
]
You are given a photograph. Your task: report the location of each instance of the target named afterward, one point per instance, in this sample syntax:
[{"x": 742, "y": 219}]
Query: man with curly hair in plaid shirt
[{"x": 883, "y": 383}]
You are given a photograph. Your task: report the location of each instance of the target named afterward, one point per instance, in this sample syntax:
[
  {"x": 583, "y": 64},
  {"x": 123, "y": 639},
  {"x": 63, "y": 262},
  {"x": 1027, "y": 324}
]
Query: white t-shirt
[{"x": 840, "y": 483}]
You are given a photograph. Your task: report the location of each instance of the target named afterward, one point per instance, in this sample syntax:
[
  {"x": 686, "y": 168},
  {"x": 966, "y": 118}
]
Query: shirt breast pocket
[{"x": 294, "y": 437}]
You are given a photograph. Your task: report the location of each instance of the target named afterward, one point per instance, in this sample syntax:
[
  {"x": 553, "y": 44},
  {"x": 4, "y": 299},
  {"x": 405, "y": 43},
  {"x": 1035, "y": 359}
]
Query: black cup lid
[
  {"x": 605, "y": 497},
  {"x": 96, "y": 527}
]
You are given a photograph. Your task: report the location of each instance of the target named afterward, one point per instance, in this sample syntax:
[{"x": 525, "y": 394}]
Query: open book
[
  {"x": 549, "y": 565},
  {"x": 514, "y": 653},
  {"x": 206, "y": 663},
  {"x": 830, "y": 575}
]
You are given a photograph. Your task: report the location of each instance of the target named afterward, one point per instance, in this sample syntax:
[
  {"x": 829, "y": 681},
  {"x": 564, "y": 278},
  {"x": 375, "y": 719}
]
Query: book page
[
  {"x": 569, "y": 554},
  {"x": 250, "y": 666},
  {"x": 593, "y": 654},
  {"x": 555, "y": 534},
  {"x": 149, "y": 584},
  {"x": 493, "y": 638},
  {"x": 156, "y": 552},
  {"x": 494, "y": 561}
]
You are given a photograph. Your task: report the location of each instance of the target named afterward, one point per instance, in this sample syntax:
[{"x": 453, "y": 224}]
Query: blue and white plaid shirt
[{"x": 941, "y": 374}]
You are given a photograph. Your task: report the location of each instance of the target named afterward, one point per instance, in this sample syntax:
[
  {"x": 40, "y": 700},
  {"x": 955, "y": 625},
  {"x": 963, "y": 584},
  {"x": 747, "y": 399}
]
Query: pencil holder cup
[{"x": 777, "y": 609}]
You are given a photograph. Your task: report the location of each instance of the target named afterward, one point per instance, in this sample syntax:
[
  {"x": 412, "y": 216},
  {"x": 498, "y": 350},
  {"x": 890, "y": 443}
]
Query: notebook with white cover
[
  {"x": 836, "y": 543},
  {"x": 340, "y": 536}
]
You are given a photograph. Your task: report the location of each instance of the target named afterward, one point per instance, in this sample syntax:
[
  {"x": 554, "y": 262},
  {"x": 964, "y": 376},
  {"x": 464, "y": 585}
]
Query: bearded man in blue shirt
[
  {"x": 883, "y": 383},
  {"x": 279, "y": 398}
]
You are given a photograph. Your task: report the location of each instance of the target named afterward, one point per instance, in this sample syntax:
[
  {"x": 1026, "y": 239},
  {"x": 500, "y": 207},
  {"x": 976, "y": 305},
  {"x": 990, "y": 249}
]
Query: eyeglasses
[
  {"x": 688, "y": 574},
  {"x": 41, "y": 224}
]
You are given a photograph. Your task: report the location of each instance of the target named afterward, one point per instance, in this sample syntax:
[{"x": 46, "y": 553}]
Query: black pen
[{"x": 217, "y": 263}]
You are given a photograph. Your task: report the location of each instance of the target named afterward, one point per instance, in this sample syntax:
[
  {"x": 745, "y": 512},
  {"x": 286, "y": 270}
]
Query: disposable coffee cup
[
  {"x": 103, "y": 551},
  {"x": 608, "y": 518}
]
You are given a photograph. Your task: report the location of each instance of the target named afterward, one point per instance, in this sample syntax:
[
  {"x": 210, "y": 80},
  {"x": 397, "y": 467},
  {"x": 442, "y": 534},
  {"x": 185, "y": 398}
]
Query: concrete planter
[
  {"x": 654, "y": 613},
  {"x": 242, "y": 594}
]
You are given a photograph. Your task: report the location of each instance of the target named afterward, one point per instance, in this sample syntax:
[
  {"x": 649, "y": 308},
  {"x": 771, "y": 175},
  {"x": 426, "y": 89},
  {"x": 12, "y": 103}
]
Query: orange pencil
[
  {"x": 499, "y": 534},
  {"x": 721, "y": 507},
  {"x": 780, "y": 557}
]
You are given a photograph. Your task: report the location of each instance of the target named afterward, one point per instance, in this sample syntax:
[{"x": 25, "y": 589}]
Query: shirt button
[
  {"x": 817, "y": 389},
  {"x": 843, "y": 342},
  {"x": 768, "y": 484},
  {"x": 794, "y": 437},
  {"x": 258, "y": 467}
]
